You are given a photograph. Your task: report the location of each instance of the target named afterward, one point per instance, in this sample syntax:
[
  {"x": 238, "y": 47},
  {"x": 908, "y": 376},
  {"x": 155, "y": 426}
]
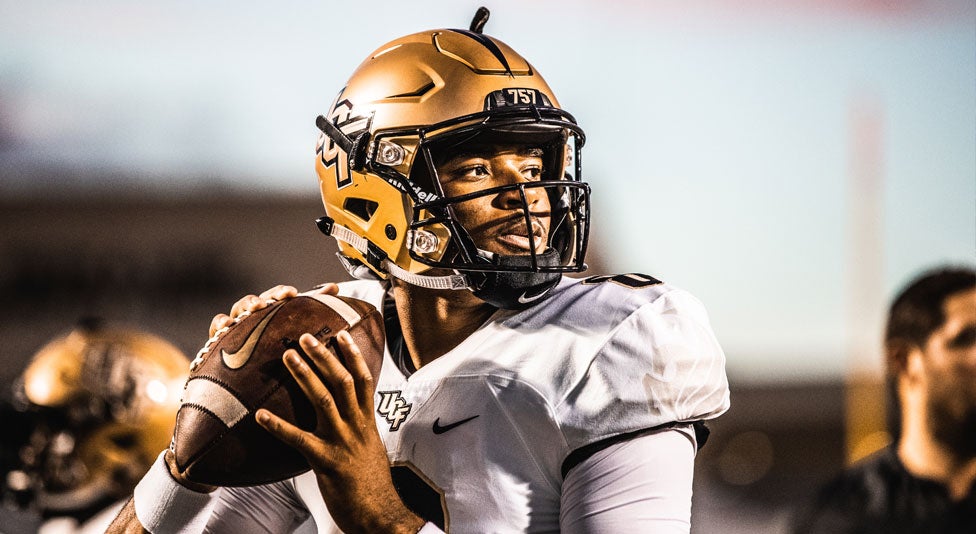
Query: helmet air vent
[
  {"x": 360, "y": 207},
  {"x": 426, "y": 88}
]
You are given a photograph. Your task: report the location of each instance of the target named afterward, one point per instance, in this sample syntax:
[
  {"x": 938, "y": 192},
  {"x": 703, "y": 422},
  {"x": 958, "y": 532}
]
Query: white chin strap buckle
[{"x": 450, "y": 281}]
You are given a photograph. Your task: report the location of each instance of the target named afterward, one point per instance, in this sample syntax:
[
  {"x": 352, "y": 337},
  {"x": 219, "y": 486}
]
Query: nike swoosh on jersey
[
  {"x": 438, "y": 429},
  {"x": 237, "y": 359}
]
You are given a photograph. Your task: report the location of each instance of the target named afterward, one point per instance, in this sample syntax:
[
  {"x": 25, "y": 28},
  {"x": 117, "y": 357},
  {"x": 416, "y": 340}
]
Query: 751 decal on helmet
[{"x": 351, "y": 125}]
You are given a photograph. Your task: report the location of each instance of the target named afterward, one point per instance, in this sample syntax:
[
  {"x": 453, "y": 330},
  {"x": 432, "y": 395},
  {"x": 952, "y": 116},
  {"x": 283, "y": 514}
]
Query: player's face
[
  {"x": 950, "y": 359},
  {"x": 497, "y": 222}
]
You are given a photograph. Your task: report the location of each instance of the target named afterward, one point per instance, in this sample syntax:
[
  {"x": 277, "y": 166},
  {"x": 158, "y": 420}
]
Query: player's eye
[
  {"x": 532, "y": 172},
  {"x": 470, "y": 173},
  {"x": 964, "y": 339}
]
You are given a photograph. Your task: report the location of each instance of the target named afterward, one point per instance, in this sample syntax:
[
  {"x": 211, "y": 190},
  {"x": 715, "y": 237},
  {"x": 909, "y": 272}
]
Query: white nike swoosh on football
[{"x": 237, "y": 359}]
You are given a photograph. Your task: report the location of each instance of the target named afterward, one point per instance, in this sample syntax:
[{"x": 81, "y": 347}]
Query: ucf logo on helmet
[{"x": 351, "y": 125}]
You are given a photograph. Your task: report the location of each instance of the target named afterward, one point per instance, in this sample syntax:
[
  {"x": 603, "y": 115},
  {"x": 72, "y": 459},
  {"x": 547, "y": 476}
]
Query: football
[{"x": 217, "y": 440}]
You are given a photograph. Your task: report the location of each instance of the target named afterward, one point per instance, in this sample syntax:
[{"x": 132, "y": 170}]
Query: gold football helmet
[
  {"x": 414, "y": 100},
  {"x": 99, "y": 405}
]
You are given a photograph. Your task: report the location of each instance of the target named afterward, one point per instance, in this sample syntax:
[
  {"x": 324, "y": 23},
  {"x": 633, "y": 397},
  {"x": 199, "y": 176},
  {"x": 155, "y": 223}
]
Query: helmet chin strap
[
  {"x": 502, "y": 289},
  {"x": 450, "y": 281},
  {"x": 509, "y": 290},
  {"x": 513, "y": 290},
  {"x": 341, "y": 233}
]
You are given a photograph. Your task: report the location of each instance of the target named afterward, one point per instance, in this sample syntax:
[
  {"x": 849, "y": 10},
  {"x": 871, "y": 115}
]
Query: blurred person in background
[
  {"x": 924, "y": 481},
  {"x": 88, "y": 415}
]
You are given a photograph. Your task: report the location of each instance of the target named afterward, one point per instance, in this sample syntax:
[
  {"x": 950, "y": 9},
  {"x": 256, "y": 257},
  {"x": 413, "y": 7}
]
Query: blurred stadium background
[{"x": 791, "y": 163}]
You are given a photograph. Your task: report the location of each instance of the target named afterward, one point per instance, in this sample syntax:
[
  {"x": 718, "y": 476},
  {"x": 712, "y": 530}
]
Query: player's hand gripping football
[
  {"x": 253, "y": 303},
  {"x": 345, "y": 450},
  {"x": 220, "y": 323}
]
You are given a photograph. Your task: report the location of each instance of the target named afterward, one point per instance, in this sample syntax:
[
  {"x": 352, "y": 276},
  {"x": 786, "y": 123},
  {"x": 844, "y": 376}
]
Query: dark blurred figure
[
  {"x": 88, "y": 416},
  {"x": 924, "y": 481}
]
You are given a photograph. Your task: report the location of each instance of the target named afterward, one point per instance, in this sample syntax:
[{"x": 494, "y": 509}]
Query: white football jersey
[{"x": 481, "y": 438}]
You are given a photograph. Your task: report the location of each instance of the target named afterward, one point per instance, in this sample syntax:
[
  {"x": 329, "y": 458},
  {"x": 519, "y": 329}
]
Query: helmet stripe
[{"x": 491, "y": 46}]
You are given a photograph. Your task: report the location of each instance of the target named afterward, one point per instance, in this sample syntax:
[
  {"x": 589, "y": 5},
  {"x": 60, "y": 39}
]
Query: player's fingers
[
  {"x": 356, "y": 366},
  {"x": 221, "y": 320},
  {"x": 246, "y": 304},
  {"x": 279, "y": 292},
  {"x": 335, "y": 376},
  {"x": 327, "y": 288},
  {"x": 297, "y": 438},
  {"x": 249, "y": 304},
  {"x": 318, "y": 394}
]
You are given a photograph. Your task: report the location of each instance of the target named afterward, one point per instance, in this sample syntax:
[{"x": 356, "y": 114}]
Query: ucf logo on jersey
[
  {"x": 352, "y": 125},
  {"x": 394, "y": 408}
]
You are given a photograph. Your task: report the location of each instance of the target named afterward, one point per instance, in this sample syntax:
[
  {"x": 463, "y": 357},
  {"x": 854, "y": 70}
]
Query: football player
[
  {"x": 95, "y": 405},
  {"x": 512, "y": 398}
]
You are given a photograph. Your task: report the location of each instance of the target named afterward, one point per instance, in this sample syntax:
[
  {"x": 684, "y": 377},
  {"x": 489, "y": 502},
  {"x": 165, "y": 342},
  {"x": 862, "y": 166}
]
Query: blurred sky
[{"x": 721, "y": 134}]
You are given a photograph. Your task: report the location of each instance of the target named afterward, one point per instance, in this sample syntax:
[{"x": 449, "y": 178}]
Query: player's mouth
[{"x": 518, "y": 240}]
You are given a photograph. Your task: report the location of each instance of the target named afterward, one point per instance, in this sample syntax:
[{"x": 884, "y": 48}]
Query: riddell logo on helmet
[
  {"x": 351, "y": 125},
  {"x": 419, "y": 194}
]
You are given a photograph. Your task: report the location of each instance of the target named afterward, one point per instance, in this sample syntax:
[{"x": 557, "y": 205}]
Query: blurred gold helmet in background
[
  {"x": 416, "y": 97},
  {"x": 97, "y": 406}
]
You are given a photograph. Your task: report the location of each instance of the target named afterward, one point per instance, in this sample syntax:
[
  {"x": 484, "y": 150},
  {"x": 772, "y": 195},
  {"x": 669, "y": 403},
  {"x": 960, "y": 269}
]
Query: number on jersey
[{"x": 631, "y": 280}]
